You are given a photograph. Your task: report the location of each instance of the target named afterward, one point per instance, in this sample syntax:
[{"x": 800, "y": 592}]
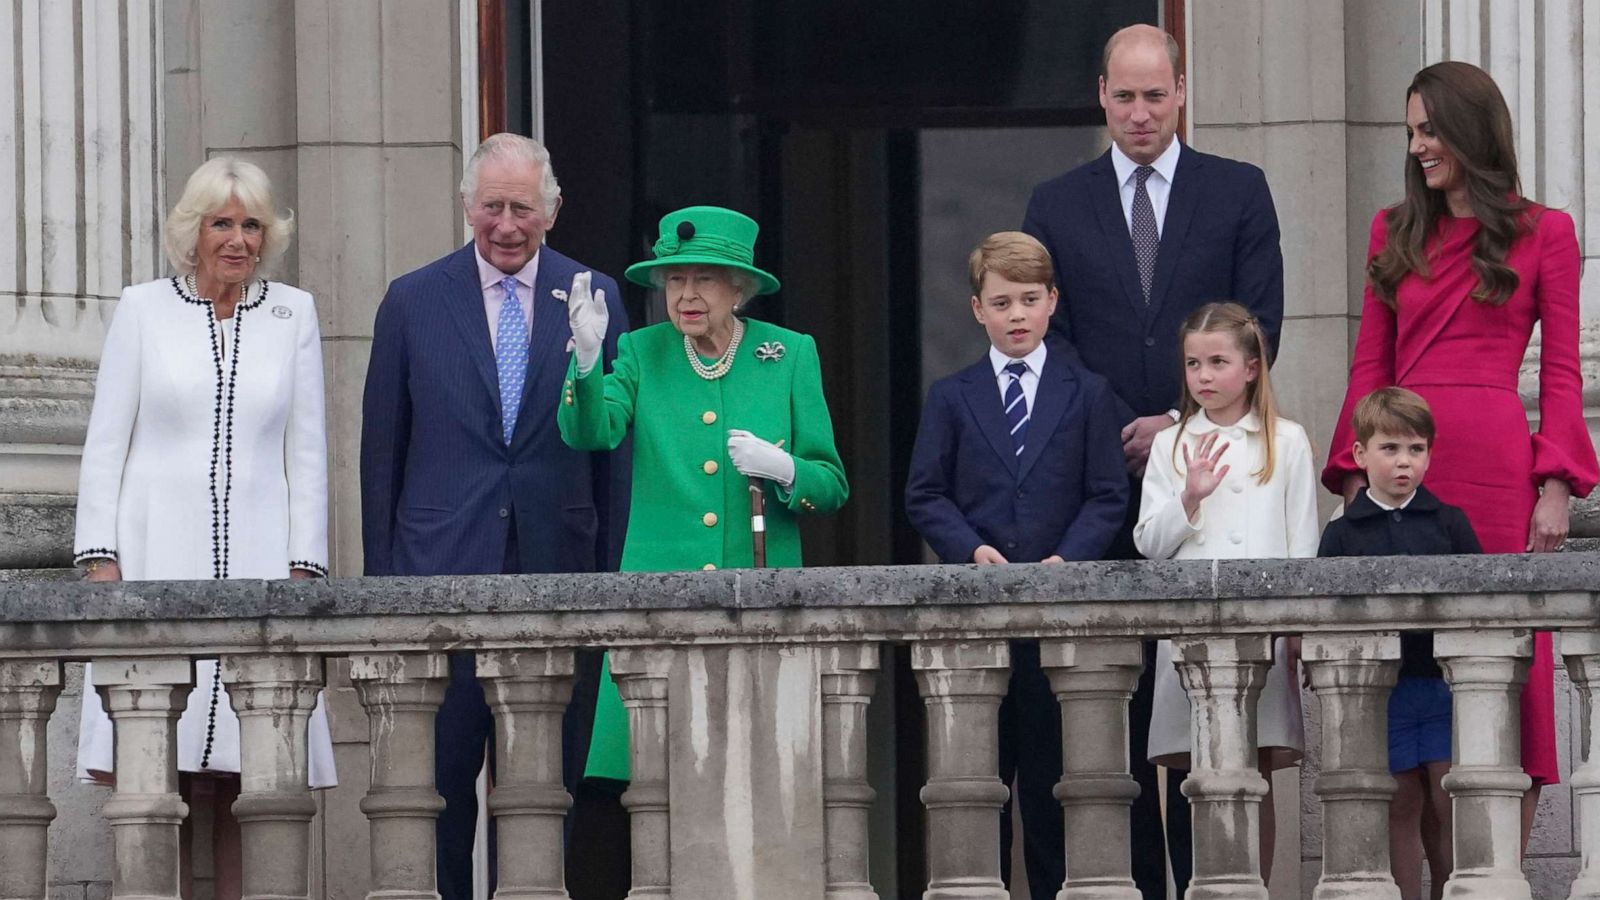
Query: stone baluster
[
  {"x": 401, "y": 693},
  {"x": 848, "y": 674},
  {"x": 144, "y": 698},
  {"x": 28, "y": 690},
  {"x": 1224, "y": 677},
  {"x": 1486, "y": 670},
  {"x": 273, "y": 695},
  {"x": 1352, "y": 675},
  {"x": 1582, "y": 651},
  {"x": 1093, "y": 681},
  {"x": 641, "y": 677},
  {"x": 962, "y": 683},
  {"x": 528, "y": 691}
]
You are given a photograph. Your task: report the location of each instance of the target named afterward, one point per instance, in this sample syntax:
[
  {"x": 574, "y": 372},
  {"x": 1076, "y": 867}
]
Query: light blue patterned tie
[
  {"x": 510, "y": 355},
  {"x": 1017, "y": 405}
]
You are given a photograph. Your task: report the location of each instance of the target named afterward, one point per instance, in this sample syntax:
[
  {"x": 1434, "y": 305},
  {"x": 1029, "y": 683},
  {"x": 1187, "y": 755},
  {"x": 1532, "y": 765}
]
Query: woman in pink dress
[{"x": 1457, "y": 274}]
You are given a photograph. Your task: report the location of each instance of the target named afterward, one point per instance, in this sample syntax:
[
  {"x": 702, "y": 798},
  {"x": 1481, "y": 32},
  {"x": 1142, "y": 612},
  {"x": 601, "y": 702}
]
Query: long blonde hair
[{"x": 1238, "y": 322}]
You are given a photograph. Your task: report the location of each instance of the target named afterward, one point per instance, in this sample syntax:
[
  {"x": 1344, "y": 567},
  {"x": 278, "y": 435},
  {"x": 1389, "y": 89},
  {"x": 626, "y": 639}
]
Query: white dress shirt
[
  {"x": 1158, "y": 185},
  {"x": 1386, "y": 507},
  {"x": 494, "y": 295},
  {"x": 1030, "y": 378}
]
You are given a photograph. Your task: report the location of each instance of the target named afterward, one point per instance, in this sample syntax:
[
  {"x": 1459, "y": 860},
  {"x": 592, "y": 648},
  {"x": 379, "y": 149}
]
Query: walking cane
[{"x": 758, "y": 519}]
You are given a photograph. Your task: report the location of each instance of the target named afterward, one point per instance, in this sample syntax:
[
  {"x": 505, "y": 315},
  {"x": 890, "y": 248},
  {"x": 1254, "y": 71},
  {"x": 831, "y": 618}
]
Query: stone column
[
  {"x": 1224, "y": 677},
  {"x": 962, "y": 683},
  {"x": 1582, "y": 650},
  {"x": 1352, "y": 675},
  {"x": 79, "y": 207},
  {"x": 641, "y": 676},
  {"x": 401, "y": 693},
  {"x": 1093, "y": 681},
  {"x": 28, "y": 690},
  {"x": 848, "y": 674},
  {"x": 144, "y": 698},
  {"x": 273, "y": 696},
  {"x": 1486, "y": 670},
  {"x": 528, "y": 691}
]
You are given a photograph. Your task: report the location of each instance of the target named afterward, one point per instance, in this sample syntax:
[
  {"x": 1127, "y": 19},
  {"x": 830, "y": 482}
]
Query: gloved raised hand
[
  {"x": 757, "y": 458},
  {"x": 588, "y": 317}
]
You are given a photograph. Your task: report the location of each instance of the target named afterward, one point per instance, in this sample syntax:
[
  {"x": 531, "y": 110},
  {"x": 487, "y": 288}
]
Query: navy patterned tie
[
  {"x": 1146, "y": 239},
  {"x": 1017, "y": 404}
]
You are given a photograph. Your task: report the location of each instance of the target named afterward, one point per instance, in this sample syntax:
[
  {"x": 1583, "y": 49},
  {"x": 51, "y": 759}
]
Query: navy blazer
[
  {"x": 438, "y": 481},
  {"x": 1219, "y": 241},
  {"x": 1066, "y": 495}
]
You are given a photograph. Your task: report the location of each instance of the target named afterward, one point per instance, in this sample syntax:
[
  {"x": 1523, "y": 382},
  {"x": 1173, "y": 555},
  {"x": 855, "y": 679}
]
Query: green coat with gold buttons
[{"x": 690, "y": 508}]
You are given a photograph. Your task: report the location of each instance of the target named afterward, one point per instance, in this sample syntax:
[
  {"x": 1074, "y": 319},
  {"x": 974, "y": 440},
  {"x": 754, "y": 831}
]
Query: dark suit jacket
[
  {"x": 1065, "y": 495},
  {"x": 438, "y": 481},
  {"x": 1219, "y": 241}
]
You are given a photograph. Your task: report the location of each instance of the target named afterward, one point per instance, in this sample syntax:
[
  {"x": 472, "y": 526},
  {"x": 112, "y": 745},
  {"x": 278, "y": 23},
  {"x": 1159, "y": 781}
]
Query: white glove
[
  {"x": 588, "y": 318},
  {"x": 757, "y": 458}
]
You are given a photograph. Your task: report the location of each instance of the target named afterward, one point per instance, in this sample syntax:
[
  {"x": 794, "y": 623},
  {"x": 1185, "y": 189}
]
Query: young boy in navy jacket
[
  {"x": 1396, "y": 516},
  {"x": 1019, "y": 459}
]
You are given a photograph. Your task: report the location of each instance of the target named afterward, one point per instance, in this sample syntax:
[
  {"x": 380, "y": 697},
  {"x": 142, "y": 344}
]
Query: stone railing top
[{"x": 806, "y": 605}]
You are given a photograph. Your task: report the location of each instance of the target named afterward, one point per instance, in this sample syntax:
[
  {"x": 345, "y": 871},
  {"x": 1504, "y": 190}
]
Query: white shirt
[
  {"x": 1158, "y": 185},
  {"x": 1386, "y": 507},
  {"x": 1029, "y": 379},
  {"x": 494, "y": 296}
]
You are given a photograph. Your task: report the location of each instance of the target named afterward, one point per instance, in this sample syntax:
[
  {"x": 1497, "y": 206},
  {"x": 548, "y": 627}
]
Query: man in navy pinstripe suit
[{"x": 462, "y": 468}]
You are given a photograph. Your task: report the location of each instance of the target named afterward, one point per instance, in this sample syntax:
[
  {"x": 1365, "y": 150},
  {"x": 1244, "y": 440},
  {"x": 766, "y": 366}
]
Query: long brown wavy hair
[
  {"x": 1469, "y": 116},
  {"x": 1237, "y": 322}
]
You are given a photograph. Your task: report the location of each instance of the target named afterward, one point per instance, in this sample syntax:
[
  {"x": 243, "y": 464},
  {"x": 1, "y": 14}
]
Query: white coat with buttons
[{"x": 1242, "y": 519}]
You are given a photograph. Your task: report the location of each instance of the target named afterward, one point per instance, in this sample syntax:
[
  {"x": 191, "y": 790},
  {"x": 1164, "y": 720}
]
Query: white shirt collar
[
  {"x": 1035, "y": 360},
  {"x": 1384, "y": 506},
  {"x": 489, "y": 276},
  {"x": 1165, "y": 165},
  {"x": 1199, "y": 423}
]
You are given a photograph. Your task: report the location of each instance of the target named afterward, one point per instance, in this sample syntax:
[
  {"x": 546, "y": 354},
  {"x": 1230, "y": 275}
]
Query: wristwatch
[
  {"x": 1174, "y": 414},
  {"x": 94, "y": 564}
]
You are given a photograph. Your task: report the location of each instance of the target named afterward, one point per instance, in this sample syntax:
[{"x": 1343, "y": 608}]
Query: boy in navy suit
[{"x": 1019, "y": 459}]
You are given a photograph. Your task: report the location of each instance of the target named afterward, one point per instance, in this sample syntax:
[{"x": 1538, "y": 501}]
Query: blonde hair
[
  {"x": 1239, "y": 323},
  {"x": 208, "y": 190},
  {"x": 1392, "y": 410},
  {"x": 1014, "y": 256}
]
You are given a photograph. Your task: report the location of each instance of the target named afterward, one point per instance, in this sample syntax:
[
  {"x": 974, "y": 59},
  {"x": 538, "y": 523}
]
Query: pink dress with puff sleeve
[{"x": 1463, "y": 356}]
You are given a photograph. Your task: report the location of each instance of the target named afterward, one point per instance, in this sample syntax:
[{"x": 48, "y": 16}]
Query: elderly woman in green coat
[{"x": 713, "y": 400}]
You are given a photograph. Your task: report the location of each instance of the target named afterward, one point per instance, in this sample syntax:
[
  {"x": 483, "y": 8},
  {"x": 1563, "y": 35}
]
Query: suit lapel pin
[
  {"x": 768, "y": 351},
  {"x": 559, "y": 294}
]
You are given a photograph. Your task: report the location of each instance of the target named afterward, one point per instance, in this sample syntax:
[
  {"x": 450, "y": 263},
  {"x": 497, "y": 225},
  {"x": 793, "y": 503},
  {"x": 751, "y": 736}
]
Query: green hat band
[{"x": 670, "y": 245}]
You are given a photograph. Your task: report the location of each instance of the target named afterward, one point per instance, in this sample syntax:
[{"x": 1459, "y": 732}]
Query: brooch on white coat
[
  {"x": 559, "y": 294},
  {"x": 768, "y": 351},
  {"x": 282, "y": 312}
]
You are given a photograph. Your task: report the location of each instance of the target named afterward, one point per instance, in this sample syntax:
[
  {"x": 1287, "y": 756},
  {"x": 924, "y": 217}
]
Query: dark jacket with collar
[{"x": 1425, "y": 527}]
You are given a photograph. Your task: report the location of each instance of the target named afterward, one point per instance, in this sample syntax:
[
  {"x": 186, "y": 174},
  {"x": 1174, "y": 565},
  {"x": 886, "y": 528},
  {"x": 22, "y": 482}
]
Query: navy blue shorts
[{"x": 1419, "y": 723}]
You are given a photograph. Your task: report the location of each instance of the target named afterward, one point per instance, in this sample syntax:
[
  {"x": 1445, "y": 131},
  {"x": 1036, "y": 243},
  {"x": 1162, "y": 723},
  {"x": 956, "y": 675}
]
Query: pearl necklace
[
  {"x": 722, "y": 365},
  {"x": 193, "y": 284}
]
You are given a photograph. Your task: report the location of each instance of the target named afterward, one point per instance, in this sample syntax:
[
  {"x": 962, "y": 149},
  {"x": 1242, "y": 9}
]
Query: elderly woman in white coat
[{"x": 206, "y": 454}]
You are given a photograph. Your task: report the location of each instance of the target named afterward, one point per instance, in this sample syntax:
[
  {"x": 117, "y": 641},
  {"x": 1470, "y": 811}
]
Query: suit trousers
[
  {"x": 1152, "y": 845},
  {"x": 1030, "y": 751},
  {"x": 462, "y": 731}
]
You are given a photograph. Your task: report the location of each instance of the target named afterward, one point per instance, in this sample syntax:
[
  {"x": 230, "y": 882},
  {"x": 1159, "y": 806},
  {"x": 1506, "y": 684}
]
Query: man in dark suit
[
  {"x": 462, "y": 468},
  {"x": 1140, "y": 237},
  {"x": 1018, "y": 459}
]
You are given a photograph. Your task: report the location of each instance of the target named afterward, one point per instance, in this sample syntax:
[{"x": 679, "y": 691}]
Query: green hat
[{"x": 705, "y": 236}]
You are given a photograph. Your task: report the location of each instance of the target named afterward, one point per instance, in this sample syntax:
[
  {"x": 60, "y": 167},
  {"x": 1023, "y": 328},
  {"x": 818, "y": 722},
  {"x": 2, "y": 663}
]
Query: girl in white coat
[{"x": 1230, "y": 480}]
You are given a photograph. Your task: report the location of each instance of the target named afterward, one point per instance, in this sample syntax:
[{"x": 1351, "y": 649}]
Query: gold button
[
  {"x": 709, "y": 566},
  {"x": 708, "y": 417},
  {"x": 710, "y": 519},
  {"x": 710, "y": 467}
]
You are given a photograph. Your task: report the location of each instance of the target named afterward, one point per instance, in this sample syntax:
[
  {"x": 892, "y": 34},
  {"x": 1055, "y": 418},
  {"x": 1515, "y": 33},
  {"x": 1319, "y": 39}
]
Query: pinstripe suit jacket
[{"x": 439, "y": 484}]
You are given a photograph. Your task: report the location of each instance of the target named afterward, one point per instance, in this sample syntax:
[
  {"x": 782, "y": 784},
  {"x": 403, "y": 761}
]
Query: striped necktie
[
  {"x": 510, "y": 355},
  {"x": 1017, "y": 404}
]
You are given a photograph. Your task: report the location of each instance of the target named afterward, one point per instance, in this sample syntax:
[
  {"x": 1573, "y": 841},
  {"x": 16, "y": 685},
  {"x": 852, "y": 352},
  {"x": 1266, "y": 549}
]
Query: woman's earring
[{"x": 258, "y": 259}]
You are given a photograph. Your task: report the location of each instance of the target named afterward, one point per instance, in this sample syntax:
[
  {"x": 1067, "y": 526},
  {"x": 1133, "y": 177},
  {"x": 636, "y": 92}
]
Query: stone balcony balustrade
[{"x": 273, "y": 639}]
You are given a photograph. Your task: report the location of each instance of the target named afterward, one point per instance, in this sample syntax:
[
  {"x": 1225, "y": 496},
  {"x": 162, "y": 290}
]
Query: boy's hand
[
  {"x": 986, "y": 555},
  {"x": 1547, "y": 530},
  {"x": 1204, "y": 472},
  {"x": 1052, "y": 559},
  {"x": 1136, "y": 438}
]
